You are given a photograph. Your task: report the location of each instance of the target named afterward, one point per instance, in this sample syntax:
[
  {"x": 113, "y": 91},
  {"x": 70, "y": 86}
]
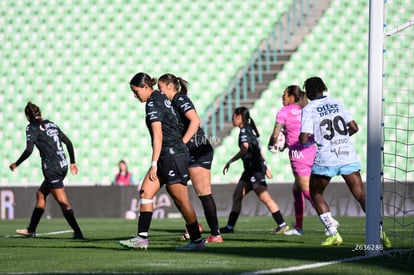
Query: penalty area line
[
  {"x": 308, "y": 266},
  {"x": 42, "y": 234}
]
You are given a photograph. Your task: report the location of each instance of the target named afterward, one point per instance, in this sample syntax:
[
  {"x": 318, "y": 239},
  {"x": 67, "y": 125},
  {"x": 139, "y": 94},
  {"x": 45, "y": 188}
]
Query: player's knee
[
  {"x": 146, "y": 201},
  {"x": 64, "y": 206}
]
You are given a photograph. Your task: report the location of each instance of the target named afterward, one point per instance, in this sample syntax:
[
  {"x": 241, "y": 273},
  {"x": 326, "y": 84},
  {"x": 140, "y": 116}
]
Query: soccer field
[{"x": 250, "y": 250}]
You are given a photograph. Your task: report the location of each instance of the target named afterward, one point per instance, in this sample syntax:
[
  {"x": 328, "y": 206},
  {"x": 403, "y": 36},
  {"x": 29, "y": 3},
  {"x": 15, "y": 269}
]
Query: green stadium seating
[
  {"x": 75, "y": 59},
  {"x": 336, "y": 50}
]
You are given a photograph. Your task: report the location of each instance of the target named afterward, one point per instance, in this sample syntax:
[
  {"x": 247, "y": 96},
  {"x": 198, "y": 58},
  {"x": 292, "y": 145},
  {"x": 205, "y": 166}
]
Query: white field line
[
  {"x": 310, "y": 266},
  {"x": 43, "y": 234}
]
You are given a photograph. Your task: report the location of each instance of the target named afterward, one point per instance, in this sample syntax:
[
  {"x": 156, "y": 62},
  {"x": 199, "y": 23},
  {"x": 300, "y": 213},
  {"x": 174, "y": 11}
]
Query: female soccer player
[
  {"x": 253, "y": 177},
  {"x": 169, "y": 164},
  {"x": 201, "y": 151},
  {"x": 288, "y": 120},
  {"x": 331, "y": 125},
  {"x": 48, "y": 138}
]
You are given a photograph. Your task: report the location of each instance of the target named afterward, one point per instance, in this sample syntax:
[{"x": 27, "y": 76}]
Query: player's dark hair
[
  {"x": 33, "y": 113},
  {"x": 180, "y": 85},
  {"x": 314, "y": 86},
  {"x": 244, "y": 112},
  {"x": 300, "y": 96},
  {"x": 141, "y": 79}
]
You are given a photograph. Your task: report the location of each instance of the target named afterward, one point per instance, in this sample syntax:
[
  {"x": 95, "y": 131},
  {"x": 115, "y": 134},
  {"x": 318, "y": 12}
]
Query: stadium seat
[{"x": 81, "y": 55}]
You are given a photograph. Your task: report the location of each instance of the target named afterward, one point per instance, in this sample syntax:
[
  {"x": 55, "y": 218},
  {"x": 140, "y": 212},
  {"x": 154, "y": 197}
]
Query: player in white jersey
[{"x": 331, "y": 125}]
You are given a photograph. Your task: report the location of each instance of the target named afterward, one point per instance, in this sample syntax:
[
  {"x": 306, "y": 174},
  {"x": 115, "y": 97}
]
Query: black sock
[
  {"x": 70, "y": 218},
  {"x": 210, "y": 212},
  {"x": 144, "y": 222},
  {"x": 277, "y": 216},
  {"x": 233, "y": 218},
  {"x": 194, "y": 232},
  {"x": 34, "y": 220}
]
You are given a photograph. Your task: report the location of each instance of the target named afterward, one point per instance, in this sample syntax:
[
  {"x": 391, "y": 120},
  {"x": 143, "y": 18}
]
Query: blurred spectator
[{"x": 124, "y": 177}]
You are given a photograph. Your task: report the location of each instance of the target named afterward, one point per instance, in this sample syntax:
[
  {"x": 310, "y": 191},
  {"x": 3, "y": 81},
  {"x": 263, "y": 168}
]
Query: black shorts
[
  {"x": 254, "y": 178},
  {"x": 173, "y": 169},
  {"x": 201, "y": 156},
  {"x": 53, "y": 179}
]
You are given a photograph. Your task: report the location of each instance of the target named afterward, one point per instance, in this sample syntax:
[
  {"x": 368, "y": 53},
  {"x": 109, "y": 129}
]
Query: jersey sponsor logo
[
  {"x": 327, "y": 109},
  {"x": 297, "y": 154},
  {"x": 153, "y": 115},
  {"x": 186, "y": 106},
  {"x": 52, "y": 132},
  {"x": 339, "y": 152}
]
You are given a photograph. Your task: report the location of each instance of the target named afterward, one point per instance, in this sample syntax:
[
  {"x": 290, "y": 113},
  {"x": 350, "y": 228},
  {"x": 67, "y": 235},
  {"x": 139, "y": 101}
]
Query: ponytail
[
  {"x": 180, "y": 85},
  {"x": 142, "y": 79},
  {"x": 33, "y": 113},
  {"x": 244, "y": 112}
]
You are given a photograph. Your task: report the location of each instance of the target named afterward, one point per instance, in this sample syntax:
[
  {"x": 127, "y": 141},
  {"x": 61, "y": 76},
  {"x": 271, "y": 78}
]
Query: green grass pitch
[{"x": 250, "y": 250}]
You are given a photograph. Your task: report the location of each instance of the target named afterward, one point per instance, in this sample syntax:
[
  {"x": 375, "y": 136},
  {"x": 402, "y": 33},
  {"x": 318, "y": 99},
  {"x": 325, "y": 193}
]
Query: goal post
[{"x": 374, "y": 131}]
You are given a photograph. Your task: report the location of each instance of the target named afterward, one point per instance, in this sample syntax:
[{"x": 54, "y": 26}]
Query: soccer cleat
[
  {"x": 214, "y": 239},
  {"x": 186, "y": 236},
  {"x": 332, "y": 240},
  {"x": 191, "y": 246},
  {"x": 336, "y": 225},
  {"x": 385, "y": 241},
  {"x": 136, "y": 242},
  {"x": 281, "y": 229},
  {"x": 77, "y": 236},
  {"x": 26, "y": 233},
  {"x": 226, "y": 230},
  {"x": 294, "y": 232}
]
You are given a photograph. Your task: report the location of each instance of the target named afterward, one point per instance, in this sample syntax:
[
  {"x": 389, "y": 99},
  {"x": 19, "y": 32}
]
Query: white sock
[
  {"x": 326, "y": 219},
  {"x": 143, "y": 234}
]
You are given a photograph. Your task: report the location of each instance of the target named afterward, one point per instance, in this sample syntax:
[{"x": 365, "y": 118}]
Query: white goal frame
[
  {"x": 375, "y": 139},
  {"x": 374, "y": 131}
]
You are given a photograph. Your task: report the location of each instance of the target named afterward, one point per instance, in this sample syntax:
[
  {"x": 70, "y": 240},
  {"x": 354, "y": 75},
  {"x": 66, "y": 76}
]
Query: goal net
[{"x": 396, "y": 192}]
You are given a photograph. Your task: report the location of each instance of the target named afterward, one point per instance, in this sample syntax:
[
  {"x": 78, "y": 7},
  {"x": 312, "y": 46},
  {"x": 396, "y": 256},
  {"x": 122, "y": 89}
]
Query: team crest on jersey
[{"x": 167, "y": 103}]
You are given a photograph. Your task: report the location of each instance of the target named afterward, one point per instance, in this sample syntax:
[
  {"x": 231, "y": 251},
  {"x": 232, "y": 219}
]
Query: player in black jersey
[
  {"x": 253, "y": 177},
  {"x": 169, "y": 164},
  {"x": 48, "y": 138},
  {"x": 201, "y": 151}
]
